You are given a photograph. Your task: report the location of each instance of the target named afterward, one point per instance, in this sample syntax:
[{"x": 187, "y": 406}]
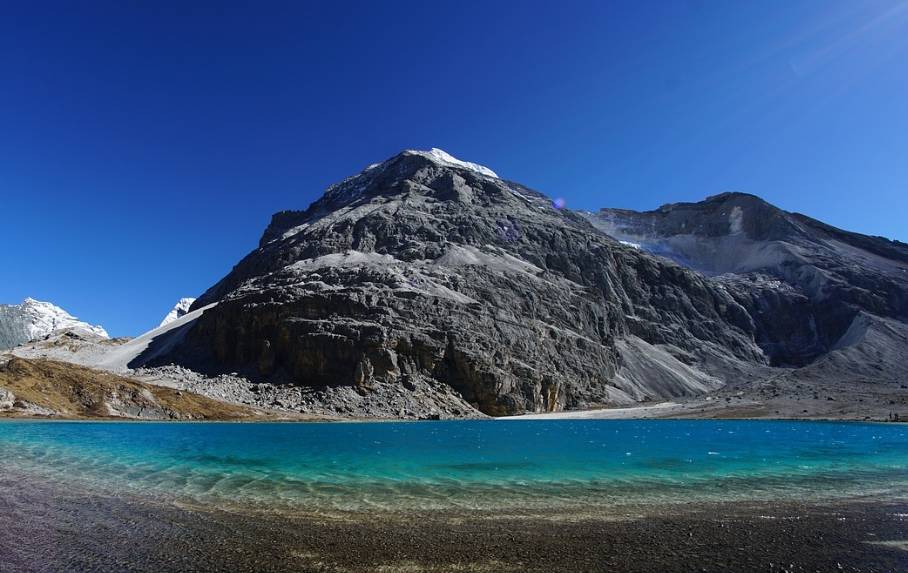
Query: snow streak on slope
[{"x": 151, "y": 344}]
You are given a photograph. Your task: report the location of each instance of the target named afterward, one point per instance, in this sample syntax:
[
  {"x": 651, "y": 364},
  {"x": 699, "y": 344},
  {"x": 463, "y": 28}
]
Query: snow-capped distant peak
[
  {"x": 34, "y": 319},
  {"x": 443, "y": 158},
  {"x": 180, "y": 309}
]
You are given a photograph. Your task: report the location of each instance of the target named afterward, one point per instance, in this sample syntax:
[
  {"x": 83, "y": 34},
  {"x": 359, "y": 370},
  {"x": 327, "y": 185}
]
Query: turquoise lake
[{"x": 465, "y": 464}]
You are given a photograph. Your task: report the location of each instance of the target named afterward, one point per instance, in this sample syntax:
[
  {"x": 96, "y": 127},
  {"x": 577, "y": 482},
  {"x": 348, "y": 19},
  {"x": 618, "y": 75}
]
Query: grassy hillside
[{"x": 58, "y": 389}]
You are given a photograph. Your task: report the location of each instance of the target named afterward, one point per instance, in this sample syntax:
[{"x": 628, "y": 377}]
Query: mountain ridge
[
  {"x": 745, "y": 243},
  {"x": 425, "y": 286}
]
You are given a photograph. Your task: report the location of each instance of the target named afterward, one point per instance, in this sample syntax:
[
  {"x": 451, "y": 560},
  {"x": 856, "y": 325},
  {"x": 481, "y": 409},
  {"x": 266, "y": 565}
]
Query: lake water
[{"x": 465, "y": 464}]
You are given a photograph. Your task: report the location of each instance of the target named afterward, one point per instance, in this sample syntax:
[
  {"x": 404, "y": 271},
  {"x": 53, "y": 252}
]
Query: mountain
[
  {"x": 807, "y": 286},
  {"x": 179, "y": 309},
  {"x": 428, "y": 272},
  {"x": 426, "y": 286},
  {"x": 33, "y": 319}
]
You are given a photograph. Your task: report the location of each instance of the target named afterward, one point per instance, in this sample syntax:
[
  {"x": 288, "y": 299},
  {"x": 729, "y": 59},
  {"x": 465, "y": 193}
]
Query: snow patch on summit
[{"x": 444, "y": 158}]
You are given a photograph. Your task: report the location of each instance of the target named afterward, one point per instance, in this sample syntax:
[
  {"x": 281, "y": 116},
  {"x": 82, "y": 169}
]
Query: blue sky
[{"x": 144, "y": 145}]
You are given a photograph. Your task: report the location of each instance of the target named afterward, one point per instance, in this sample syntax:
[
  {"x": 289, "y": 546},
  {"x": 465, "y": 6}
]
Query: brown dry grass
[{"x": 78, "y": 392}]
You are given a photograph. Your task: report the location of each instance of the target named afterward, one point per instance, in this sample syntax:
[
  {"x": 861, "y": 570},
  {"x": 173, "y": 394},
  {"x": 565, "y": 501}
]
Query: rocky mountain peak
[
  {"x": 411, "y": 176},
  {"x": 386, "y": 176},
  {"x": 730, "y": 213}
]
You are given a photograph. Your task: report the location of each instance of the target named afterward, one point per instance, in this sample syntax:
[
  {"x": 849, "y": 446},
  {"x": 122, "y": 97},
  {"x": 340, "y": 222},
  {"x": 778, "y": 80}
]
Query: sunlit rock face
[
  {"x": 427, "y": 271},
  {"x": 34, "y": 319}
]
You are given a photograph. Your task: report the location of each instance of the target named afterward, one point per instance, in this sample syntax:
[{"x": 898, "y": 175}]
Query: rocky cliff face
[{"x": 425, "y": 273}]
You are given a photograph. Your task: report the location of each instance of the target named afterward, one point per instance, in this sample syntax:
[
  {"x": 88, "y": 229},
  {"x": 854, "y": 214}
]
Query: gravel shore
[{"x": 47, "y": 528}]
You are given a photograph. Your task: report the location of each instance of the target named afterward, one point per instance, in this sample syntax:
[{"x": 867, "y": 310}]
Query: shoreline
[
  {"x": 658, "y": 411},
  {"x": 47, "y": 527}
]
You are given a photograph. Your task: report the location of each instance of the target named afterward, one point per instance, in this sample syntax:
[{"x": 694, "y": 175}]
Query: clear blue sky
[{"x": 144, "y": 145}]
